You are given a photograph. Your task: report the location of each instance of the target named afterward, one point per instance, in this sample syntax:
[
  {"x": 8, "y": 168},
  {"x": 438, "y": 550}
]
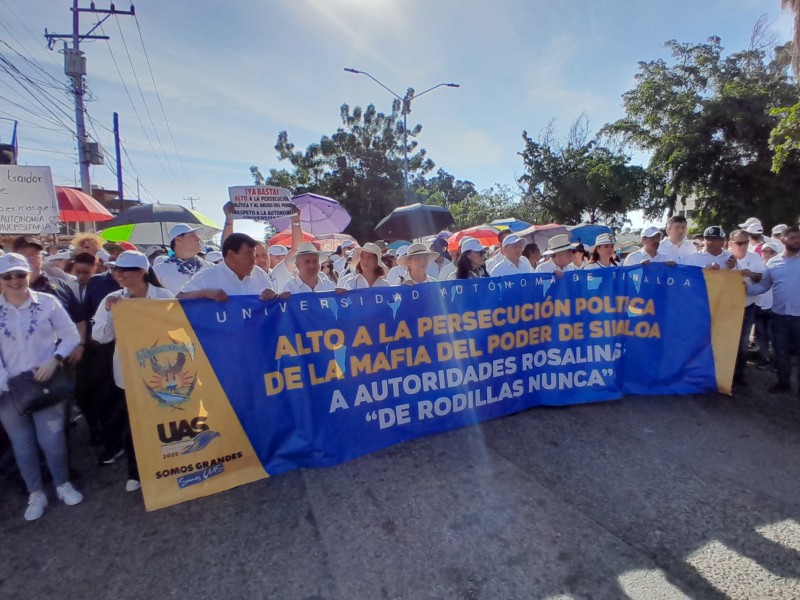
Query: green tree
[
  {"x": 443, "y": 189},
  {"x": 579, "y": 180},
  {"x": 705, "y": 119}
]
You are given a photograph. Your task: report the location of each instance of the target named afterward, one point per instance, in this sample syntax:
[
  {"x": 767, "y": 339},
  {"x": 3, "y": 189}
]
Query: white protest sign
[
  {"x": 261, "y": 202},
  {"x": 27, "y": 200}
]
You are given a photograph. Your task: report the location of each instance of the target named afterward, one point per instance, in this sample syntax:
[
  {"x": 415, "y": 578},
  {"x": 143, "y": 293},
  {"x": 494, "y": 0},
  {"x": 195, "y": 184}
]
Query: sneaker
[
  {"x": 780, "y": 388},
  {"x": 36, "y": 505},
  {"x": 69, "y": 494},
  {"x": 132, "y": 485},
  {"x": 109, "y": 458}
]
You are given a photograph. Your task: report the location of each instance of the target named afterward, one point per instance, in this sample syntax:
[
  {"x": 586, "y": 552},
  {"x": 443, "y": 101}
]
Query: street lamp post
[{"x": 406, "y": 100}]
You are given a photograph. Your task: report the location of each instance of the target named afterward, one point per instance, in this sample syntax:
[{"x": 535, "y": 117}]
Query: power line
[
  {"x": 163, "y": 113},
  {"x": 21, "y": 79}
]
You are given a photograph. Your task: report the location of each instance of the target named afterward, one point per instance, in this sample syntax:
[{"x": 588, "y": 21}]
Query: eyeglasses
[{"x": 10, "y": 276}]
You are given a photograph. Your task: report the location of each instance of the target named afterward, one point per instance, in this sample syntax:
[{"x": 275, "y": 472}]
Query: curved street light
[{"x": 406, "y": 100}]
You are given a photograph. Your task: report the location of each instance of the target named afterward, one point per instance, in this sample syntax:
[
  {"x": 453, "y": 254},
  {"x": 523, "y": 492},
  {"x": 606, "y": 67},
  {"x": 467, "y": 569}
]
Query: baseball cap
[
  {"x": 103, "y": 255},
  {"x": 60, "y": 255},
  {"x": 715, "y": 231},
  {"x": 278, "y": 250},
  {"x": 27, "y": 240},
  {"x": 180, "y": 229},
  {"x": 752, "y": 225},
  {"x": 131, "y": 259},
  {"x": 651, "y": 231},
  {"x": 512, "y": 239},
  {"x": 13, "y": 262},
  {"x": 779, "y": 229},
  {"x": 470, "y": 244},
  {"x": 347, "y": 244},
  {"x": 123, "y": 245}
]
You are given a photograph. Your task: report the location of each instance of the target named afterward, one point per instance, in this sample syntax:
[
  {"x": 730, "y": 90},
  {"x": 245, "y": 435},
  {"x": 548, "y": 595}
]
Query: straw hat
[
  {"x": 373, "y": 249},
  {"x": 417, "y": 250},
  {"x": 558, "y": 243},
  {"x": 305, "y": 249}
]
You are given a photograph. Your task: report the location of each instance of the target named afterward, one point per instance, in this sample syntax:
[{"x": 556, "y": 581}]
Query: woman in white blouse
[
  {"x": 603, "y": 255},
  {"x": 369, "y": 270},
  {"x": 133, "y": 273},
  {"x": 35, "y": 335}
]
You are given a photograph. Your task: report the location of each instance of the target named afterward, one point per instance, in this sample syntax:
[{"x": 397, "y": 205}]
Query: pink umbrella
[{"x": 330, "y": 241}]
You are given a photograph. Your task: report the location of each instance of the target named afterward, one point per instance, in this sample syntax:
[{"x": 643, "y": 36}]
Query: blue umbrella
[
  {"x": 586, "y": 233},
  {"x": 515, "y": 225}
]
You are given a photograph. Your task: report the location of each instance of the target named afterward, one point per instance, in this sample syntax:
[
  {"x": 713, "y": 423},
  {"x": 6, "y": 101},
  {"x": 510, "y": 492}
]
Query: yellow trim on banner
[
  {"x": 726, "y": 297},
  {"x": 189, "y": 442}
]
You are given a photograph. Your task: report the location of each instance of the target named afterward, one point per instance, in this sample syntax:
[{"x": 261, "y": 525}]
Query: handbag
[{"x": 28, "y": 395}]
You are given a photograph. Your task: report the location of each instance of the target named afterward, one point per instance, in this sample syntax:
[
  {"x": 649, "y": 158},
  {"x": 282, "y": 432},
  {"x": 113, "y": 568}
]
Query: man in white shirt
[
  {"x": 307, "y": 276},
  {"x": 236, "y": 275},
  {"x": 649, "y": 253},
  {"x": 499, "y": 255},
  {"x": 513, "y": 263},
  {"x": 559, "y": 255},
  {"x": 713, "y": 255},
  {"x": 340, "y": 262},
  {"x": 174, "y": 272},
  {"x": 279, "y": 273},
  {"x": 755, "y": 230},
  {"x": 676, "y": 247}
]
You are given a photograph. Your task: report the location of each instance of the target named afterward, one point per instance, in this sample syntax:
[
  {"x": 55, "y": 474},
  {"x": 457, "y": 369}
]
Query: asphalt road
[{"x": 645, "y": 498}]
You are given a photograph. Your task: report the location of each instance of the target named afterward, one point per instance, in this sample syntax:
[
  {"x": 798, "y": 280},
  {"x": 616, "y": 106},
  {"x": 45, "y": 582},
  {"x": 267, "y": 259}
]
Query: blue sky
[{"x": 231, "y": 75}]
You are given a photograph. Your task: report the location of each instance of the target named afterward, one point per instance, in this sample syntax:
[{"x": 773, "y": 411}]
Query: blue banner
[{"x": 319, "y": 379}]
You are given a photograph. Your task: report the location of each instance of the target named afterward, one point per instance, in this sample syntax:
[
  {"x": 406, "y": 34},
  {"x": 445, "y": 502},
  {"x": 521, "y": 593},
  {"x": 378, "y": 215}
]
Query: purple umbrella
[{"x": 318, "y": 215}]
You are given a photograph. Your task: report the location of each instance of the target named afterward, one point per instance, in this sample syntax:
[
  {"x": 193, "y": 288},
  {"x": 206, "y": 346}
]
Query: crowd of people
[{"x": 57, "y": 306}]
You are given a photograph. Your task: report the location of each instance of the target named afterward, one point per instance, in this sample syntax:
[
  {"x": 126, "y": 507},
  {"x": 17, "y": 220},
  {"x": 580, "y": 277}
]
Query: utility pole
[
  {"x": 191, "y": 200},
  {"x": 75, "y": 67},
  {"x": 120, "y": 191}
]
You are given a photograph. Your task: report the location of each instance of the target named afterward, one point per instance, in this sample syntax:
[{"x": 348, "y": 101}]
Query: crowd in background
[{"x": 57, "y": 306}]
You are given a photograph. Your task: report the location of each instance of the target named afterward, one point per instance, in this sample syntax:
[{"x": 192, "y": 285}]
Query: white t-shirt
[
  {"x": 703, "y": 259},
  {"x": 641, "y": 255},
  {"x": 506, "y": 267},
  {"x": 220, "y": 277},
  {"x": 679, "y": 254},
  {"x": 753, "y": 262},
  {"x": 174, "y": 272},
  {"x": 297, "y": 286}
]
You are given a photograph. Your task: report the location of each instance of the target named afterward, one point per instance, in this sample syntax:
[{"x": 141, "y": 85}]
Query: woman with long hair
[
  {"x": 136, "y": 278},
  {"x": 603, "y": 254},
  {"x": 36, "y": 334},
  {"x": 472, "y": 262}
]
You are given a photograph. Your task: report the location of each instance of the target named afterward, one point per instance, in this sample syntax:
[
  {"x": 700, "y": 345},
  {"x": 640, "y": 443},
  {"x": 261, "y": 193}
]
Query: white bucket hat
[
  {"x": 372, "y": 249},
  {"x": 417, "y": 250},
  {"x": 602, "y": 239}
]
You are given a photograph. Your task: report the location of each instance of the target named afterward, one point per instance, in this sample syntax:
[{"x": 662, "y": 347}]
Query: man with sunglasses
[
  {"x": 751, "y": 267},
  {"x": 512, "y": 263}
]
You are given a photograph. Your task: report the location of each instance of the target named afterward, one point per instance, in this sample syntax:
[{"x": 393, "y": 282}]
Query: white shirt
[
  {"x": 220, "y": 277},
  {"x": 494, "y": 260},
  {"x": 435, "y": 271},
  {"x": 297, "y": 286},
  {"x": 76, "y": 289},
  {"x": 591, "y": 266},
  {"x": 340, "y": 264},
  {"x": 358, "y": 282},
  {"x": 280, "y": 276},
  {"x": 103, "y": 328},
  {"x": 174, "y": 272},
  {"x": 549, "y": 266},
  {"x": 428, "y": 279},
  {"x": 445, "y": 271},
  {"x": 703, "y": 259},
  {"x": 29, "y": 334},
  {"x": 506, "y": 267},
  {"x": 396, "y": 274},
  {"x": 678, "y": 254},
  {"x": 641, "y": 255},
  {"x": 753, "y": 262}
]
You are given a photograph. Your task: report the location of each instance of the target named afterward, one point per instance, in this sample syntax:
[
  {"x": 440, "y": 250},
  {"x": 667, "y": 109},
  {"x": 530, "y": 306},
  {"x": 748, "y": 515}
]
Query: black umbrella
[
  {"x": 414, "y": 221},
  {"x": 149, "y": 224}
]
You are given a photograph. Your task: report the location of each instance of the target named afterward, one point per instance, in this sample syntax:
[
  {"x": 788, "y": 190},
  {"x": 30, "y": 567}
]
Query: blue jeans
[{"x": 43, "y": 429}]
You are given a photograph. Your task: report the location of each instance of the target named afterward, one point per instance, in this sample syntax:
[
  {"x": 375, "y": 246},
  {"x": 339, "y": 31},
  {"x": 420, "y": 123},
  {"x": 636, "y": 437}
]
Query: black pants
[
  {"x": 117, "y": 431},
  {"x": 94, "y": 384},
  {"x": 764, "y": 333},
  {"x": 744, "y": 342},
  {"x": 786, "y": 332}
]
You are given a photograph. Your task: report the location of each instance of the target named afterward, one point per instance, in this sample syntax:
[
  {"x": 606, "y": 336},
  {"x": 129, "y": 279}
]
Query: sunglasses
[
  {"x": 482, "y": 253},
  {"x": 10, "y": 276},
  {"x": 740, "y": 243},
  {"x": 126, "y": 269}
]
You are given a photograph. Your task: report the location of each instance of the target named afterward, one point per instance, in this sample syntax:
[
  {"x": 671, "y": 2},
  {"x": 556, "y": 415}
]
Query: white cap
[
  {"x": 160, "y": 259},
  {"x": 512, "y": 239},
  {"x": 180, "y": 229},
  {"x": 214, "y": 256},
  {"x": 778, "y": 229},
  {"x": 752, "y": 225},
  {"x": 347, "y": 244},
  {"x": 772, "y": 245},
  {"x": 131, "y": 259},
  {"x": 278, "y": 250},
  {"x": 103, "y": 255},
  {"x": 470, "y": 244},
  {"x": 60, "y": 255},
  {"x": 651, "y": 231},
  {"x": 13, "y": 262}
]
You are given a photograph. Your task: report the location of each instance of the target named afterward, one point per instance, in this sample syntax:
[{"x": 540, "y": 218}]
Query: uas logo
[
  {"x": 184, "y": 436},
  {"x": 171, "y": 383}
]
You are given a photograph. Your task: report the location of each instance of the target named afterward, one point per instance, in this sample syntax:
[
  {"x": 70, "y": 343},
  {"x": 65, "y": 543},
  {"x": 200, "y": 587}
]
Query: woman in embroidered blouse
[
  {"x": 132, "y": 271},
  {"x": 35, "y": 335}
]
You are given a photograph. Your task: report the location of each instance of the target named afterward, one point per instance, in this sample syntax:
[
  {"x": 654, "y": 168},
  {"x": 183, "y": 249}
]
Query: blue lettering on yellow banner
[{"x": 322, "y": 378}]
